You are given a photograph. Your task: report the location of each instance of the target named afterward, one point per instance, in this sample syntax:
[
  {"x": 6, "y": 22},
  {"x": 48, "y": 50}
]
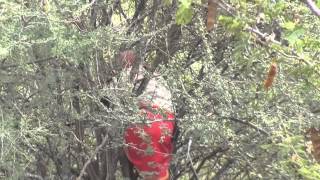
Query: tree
[{"x": 58, "y": 61}]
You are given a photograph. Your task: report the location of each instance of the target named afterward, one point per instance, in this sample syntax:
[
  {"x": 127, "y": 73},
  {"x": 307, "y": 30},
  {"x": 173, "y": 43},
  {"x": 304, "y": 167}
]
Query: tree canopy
[{"x": 244, "y": 78}]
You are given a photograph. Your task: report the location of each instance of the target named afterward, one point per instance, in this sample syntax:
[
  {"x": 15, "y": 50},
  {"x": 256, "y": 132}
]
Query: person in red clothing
[{"x": 149, "y": 146}]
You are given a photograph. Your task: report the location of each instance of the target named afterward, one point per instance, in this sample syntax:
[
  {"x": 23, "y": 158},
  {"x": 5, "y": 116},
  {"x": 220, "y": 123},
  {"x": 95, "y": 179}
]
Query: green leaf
[
  {"x": 289, "y": 25},
  {"x": 266, "y": 146},
  {"x": 308, "y": 173},
  {"x": 225, "y": 19},
  {"x": 186, "y": 3},
  {"x": 295, "y": 35},
  {"x": 3, "y": 52},
  {"x": 233, "y": 24},
  {"x": 184, "y": 13},
  {"x": 167, "y": 2}
]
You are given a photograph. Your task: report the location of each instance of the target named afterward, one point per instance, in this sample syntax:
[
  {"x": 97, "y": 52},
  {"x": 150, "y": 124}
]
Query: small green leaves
[
  {"x": 289, "y": 25},
  {"x": 294, "y": 37},
  {"x": 167, "y": 2},
  {"x": 184, "y": 13},
  {"x": 3, "y": 52},
  {"x": 231, "y": 23}
]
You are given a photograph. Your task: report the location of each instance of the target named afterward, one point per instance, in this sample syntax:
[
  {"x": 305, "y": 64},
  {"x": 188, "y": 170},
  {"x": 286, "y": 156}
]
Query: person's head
[
  {"x": 127, "y": 58},
  {"x": 155, "y": 92}
]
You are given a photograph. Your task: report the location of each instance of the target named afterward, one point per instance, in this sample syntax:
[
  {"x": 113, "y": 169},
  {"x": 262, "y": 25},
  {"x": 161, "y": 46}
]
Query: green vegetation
[{"x": 57, "y": 62}]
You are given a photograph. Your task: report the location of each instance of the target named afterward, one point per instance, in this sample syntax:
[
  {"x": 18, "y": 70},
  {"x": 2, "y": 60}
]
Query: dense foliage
[{"x": 58, "y": 60}]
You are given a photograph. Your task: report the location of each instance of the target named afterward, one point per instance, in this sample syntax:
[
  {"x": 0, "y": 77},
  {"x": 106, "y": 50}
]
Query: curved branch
[
  {"x": 83, "y": 170},
  {"x": 313, "y": 7},
  {"x": 190, "y": 160},
  {"x": 248, "y": 124}
]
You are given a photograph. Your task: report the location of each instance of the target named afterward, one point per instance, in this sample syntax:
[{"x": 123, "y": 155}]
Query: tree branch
[
  {"x": 92, "y": 156},
  {"x": 262, "y": 35},
  {"x": 313, "y": 7},
  {"x": 210, "y": 155},
  {"x": 247, "y": 123},
  {"x": 224, "y": 167},
  {"x": 190, "y": 160},
  {"x": 31, "y": 62},
  {"x": 33, "y": 176}
]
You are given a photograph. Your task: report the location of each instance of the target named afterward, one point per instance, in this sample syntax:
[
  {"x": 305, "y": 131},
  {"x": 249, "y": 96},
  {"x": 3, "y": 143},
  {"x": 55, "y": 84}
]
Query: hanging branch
[
  {"x": 313, "y": 7},
  {"x": 4, "y": 67},
  {"x": 190, "y": 159},
  {"x": 83, "y": 170}
]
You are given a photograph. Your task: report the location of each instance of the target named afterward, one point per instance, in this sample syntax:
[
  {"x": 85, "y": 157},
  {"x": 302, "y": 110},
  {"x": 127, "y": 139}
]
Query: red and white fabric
[{"x": 149, "y": 146}]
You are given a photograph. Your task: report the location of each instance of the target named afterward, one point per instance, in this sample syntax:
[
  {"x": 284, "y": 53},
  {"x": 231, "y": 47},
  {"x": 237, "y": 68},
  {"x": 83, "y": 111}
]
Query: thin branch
[
  {"x": 224, "y": 167},
  {"x": 262, "y": 35},
  {"x": 31, "y": 62},
  {"x": 122, "y": 12},
  {"x": 33, "y": 176},
  {"x": 93, "y": 16},
  {"x": 210, "y": 155},
  {"x": 138, "y": 10},
  {"x": 190, "y": 159},
  {"x": 313, "y": 7},
  {"x": 249, "y": 124},
  {"x": 296, "y": 56},
  {"x": 87, "y": 6},
  {"x": 92, "y": 156},
  {"x": 109, "y": 13},
  {"x": 265, "y": 36}
]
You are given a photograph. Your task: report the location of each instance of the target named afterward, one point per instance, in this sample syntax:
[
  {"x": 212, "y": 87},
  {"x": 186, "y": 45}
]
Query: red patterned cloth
[{"x": 149, "y": 146}]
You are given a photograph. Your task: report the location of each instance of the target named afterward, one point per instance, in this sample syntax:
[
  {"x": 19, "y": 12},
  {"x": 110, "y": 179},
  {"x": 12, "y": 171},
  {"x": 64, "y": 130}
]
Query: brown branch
[
  {"x": 210, "y": 155},
  {"x": 141, "y": 6},
  {"x": 104, "y": 141},
  {"x": 120, "y": 9},
  {"x": 313, "y": 7},
  {"x": 262, "y": 35},
  {"x": 173, "y": 36},
  {"x": 93, "y": 17},
  {"x": 127, "y": 167},
  {"x": 31, "y": 62},
  {"x": 248, "y": 124},
  {"x": 107, "y": 14},
  {"x": 224, "y": 168}
]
